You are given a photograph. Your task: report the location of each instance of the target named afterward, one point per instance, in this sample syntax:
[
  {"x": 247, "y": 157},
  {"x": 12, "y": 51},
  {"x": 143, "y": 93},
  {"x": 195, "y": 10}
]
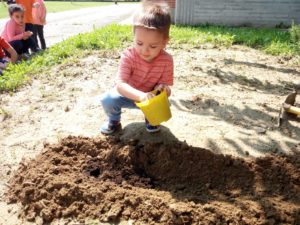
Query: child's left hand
[
  {"x": 36, "y": 5},
  {"x": 162, "y": 87},
  {"x": 3, "y": 65}
]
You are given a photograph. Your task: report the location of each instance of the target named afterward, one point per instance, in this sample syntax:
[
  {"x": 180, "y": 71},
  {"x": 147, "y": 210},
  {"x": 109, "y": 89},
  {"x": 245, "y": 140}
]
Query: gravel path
[{"x": 62, "y": 25}]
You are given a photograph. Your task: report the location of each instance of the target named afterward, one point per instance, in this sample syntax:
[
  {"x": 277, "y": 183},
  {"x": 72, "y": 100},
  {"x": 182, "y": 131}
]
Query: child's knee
[
  {"x": 105, "y": 99},
  {"x": 108, "y": 100}
]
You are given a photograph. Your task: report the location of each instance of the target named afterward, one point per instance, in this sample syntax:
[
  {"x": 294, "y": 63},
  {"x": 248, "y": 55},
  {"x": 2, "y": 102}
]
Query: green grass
[
  {"x": 109, "y": 37},
  {"x": 54, "y": 6},
  {"x": 112, "y": 37},
  {"x": 64, "y": 6},
  {"x": 272, "y": 41}
]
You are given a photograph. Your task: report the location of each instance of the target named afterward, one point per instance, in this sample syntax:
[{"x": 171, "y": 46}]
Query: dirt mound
[{"x": 156, "y": 184}]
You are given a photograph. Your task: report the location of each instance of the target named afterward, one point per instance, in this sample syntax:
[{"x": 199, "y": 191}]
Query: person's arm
[
  {"x": 162, "y": 87},
  {"x": 13, "y": 54},
  {"x": 35, "y": 4},
  {"x": 130, "y": 92},
  {"x": 43, "y": 13}
]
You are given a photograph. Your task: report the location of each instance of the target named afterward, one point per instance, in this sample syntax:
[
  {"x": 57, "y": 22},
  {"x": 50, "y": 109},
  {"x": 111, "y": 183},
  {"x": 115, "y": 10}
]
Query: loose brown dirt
[{"x": 156, "y": 184}]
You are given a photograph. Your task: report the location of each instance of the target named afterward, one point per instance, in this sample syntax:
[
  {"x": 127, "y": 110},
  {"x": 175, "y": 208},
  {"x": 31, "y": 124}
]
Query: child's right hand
[
  {"x": 27, "y": 34},
  {"x": 36, "y": 5},
  {"x": 146, "y": 96}
]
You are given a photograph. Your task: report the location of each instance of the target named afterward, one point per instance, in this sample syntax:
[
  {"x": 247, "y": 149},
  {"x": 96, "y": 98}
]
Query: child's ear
[{"x": 166, "y": 41}]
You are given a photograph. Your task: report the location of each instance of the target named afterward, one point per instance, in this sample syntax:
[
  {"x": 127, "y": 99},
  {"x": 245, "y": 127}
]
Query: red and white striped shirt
[{"x": 143, "y": 75}]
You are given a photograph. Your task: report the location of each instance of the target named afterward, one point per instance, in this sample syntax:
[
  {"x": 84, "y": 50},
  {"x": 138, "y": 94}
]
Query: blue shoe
[
  {"x": 110, "y": 127},
  {"x": 150, "y": 128}
]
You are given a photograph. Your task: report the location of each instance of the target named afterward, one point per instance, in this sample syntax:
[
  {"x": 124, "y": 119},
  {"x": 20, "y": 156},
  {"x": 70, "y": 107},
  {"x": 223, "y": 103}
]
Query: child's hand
[
  {"x": 27, "y": 34},
  {"x": 146, "y": 96},
  {"x": 36, "y": 5},
  {"x": 162, "y": 87},
  {"x": 3, "y": 65}
]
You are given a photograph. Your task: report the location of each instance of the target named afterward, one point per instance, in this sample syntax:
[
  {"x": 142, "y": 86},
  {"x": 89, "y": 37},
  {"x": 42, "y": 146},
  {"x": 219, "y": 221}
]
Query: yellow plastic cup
[{"x": 156, "y": 109}]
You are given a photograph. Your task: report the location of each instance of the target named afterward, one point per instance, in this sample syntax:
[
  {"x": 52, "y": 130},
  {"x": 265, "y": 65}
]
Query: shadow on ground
[
  {"x": 262, "y": 66},
  {"x": 259, "y": 122}
]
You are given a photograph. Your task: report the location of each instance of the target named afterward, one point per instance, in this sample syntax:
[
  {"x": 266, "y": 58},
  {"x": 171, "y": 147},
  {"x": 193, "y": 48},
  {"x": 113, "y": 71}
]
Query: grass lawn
[
  {"x": 54, "y": 6},
  {"x": 271, "y": 41}
]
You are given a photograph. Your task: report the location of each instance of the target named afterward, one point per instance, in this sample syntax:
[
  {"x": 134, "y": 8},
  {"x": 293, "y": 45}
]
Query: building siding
[{"x": 258, "y": 13}]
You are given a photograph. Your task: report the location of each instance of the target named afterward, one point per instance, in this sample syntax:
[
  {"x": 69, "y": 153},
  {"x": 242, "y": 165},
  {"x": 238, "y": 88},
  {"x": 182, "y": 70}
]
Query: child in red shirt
[
  {"x": 144, "y": 67},
  {"x": 6, "y": 47}
]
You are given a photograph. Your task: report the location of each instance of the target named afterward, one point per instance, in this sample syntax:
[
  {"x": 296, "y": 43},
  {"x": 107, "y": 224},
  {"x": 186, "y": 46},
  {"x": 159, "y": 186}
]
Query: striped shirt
[{"x": 143, "y": 75}]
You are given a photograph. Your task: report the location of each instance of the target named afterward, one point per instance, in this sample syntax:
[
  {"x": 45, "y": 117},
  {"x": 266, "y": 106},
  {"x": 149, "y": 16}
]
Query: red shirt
[
  {"x": 3, "y": 45},
  {"x": 142, "y": 75}
]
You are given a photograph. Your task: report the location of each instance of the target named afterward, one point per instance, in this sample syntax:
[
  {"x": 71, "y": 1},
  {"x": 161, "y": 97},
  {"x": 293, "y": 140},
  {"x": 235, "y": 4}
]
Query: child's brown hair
[
  {"x": 155, "y": 16},
  {"x": 15, "y": 8}
]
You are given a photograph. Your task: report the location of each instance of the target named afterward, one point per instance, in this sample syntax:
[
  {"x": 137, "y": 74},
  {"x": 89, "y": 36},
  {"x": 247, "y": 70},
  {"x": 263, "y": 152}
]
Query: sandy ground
[
  {"x": 62, "y": 25},
  {"x": 224, "y": 100}
]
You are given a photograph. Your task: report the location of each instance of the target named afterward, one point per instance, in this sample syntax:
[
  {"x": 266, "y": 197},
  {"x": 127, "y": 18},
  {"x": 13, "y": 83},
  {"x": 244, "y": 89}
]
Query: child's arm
[
  {"x": 129, "y": 92},
  {"x": 13, "y": 54},
  {"x": 161, "y": 87},
  {"x": 43, "y": 13},
  {"x": 5, "y": 45}
]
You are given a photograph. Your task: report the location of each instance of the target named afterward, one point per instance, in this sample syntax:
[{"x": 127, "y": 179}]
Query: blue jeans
[{"x": 113, "y": 102}]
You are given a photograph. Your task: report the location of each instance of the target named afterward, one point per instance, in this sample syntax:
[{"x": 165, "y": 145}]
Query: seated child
[
  {"x": 143, "y": 68},
  {"x": 14, "y": 31},
  {"x": 6, "y": 47},
  {"x": 39, "y": 20}
]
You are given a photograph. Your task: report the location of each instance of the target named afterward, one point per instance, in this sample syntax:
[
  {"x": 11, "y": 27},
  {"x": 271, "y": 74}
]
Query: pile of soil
[{"x": 155, "y": 184}]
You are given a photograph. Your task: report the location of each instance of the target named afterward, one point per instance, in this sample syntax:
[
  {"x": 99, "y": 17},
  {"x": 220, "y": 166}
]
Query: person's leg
[
  {"x": 32, "y": 43},
  {"x": 26, "y": 46},
  {"x": 112, "y": 103},
  {"x": 40, "y": 31},
  {"x": 35, "y": 33},
  {"x": 17, "y": 45}
]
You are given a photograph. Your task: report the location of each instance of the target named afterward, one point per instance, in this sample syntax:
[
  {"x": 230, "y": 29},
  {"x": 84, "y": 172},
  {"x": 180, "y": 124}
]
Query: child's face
[
  {"x": 18, "y": 17},
  {"x": 148, "y": 43}
]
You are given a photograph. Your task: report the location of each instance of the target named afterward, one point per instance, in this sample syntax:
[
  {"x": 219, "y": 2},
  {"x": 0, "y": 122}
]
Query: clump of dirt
[{"x": 155, "y": 184}]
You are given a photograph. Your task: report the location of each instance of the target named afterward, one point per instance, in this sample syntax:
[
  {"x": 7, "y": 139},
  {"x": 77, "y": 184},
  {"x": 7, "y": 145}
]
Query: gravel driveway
[{"x": 62, "y": 25}]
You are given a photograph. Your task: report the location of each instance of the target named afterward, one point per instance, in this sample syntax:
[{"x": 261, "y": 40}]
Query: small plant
[
  {"x": 5, "y": 114},
  {"x": 295, "y": 33}
]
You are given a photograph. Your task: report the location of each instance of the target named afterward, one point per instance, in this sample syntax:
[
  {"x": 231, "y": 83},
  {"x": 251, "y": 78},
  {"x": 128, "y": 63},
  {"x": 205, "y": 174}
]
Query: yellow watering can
[{"x": 156, "y": 109}]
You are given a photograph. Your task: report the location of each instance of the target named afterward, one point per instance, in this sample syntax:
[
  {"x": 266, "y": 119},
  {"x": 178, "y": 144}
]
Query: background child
[
  {"x": 144, "y": 67},
  {"x": 28, "y": 5},
  {"x": 6, "y": 47},
  {"x": 39, "y": 20},
  {"x": 14, "y": 31}
]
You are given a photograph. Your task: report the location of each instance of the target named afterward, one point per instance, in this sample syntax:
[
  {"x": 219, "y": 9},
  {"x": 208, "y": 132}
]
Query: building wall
[{"x": 258, "y": 13}]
